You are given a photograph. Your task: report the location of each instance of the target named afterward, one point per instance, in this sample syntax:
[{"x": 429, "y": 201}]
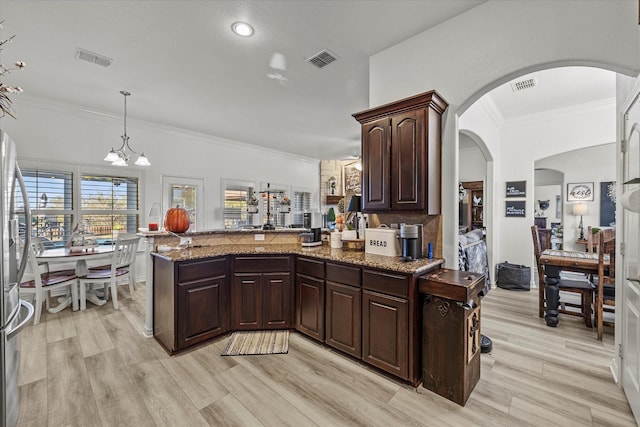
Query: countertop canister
[{"x": 336, "y": 240}]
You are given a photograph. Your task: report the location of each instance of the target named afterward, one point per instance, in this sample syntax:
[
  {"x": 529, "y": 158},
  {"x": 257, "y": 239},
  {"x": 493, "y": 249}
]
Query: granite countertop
[
  {"x": 144, "y": 232},
  {"x": 321, "y": 252}
]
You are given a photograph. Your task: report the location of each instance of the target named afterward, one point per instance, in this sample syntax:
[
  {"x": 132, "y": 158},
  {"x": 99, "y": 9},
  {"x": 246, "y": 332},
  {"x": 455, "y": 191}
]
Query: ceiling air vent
[
  {"x": 94, "y": 58},
  {"x": 523, "y": 84},
  {"x": 322, "y": 58}
]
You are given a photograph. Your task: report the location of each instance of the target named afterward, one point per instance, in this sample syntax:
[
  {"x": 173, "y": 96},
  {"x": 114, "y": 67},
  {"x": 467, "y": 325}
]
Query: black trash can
[{"x": 513, "y": 277}]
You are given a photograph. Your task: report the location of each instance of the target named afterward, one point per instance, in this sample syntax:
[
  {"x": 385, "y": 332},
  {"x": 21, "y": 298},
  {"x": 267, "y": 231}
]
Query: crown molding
[{"x": 93, "y": 114}]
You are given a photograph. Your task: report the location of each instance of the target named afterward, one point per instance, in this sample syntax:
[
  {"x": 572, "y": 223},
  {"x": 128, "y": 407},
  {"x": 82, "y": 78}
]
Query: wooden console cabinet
[
  {"x": 191, "y": 300},
  {"x": 451, "y": 332},
  {"x": 261, "y": 293},
  {"x": 401, "y": 155}
]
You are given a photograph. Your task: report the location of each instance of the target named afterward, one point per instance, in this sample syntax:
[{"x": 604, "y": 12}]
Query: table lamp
[
  {"x": 580, "y": 209},
  {"x": 355, "y": 206}
]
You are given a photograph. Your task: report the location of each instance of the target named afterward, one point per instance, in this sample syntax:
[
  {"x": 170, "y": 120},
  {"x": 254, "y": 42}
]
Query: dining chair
[
  {"x": 40, "y": 283},
  {"x": 584, "y": 288},
  {"x": 606, "y": 288},
  {"x": 122, "y": 267}
]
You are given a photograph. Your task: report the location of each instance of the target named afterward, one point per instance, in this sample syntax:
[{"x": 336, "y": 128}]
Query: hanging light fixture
[{"x": 120, "y": 157}]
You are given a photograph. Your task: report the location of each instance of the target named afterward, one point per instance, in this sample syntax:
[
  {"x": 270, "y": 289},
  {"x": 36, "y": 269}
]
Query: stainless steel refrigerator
[{"x": 15, "y": 313}]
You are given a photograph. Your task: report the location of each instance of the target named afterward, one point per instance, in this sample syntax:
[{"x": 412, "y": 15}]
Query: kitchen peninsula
[{"x": 364, "y": 305}]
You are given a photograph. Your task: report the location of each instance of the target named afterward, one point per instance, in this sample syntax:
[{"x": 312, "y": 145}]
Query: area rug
[{"x": 257, "y": 342}]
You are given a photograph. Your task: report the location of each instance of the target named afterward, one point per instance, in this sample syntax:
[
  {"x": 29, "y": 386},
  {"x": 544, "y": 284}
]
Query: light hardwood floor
[{"x": 95, "y": 368}]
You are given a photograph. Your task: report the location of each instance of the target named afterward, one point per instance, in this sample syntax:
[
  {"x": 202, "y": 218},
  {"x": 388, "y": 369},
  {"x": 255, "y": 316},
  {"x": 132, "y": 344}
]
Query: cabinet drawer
[
  {"x": 197, "y": 270},
  {"x": 261, "y": 264},
  {"x": 386, "y": 283},
  {"x": 310, "y": 267},
  {"x": 344, "y": 274}
]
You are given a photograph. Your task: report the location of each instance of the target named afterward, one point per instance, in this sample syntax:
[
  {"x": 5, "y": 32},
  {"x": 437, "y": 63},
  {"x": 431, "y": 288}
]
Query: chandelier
[{"x": 120, "y": 157}]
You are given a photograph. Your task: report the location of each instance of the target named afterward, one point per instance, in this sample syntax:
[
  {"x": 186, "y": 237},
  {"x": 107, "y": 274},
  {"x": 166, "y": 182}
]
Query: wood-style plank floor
[{"x": 95, "y": 368}]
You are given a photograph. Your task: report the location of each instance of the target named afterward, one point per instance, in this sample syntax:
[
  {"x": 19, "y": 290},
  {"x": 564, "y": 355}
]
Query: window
[
  {"x": 301, "y": 204},
  {"x": 51, "y": 201},
  {"x": 109, "y": 205},
  {"x": 187, "y": 193},
  {"x": 60, "y": 199},
  {"x": 235, "y": 206}
]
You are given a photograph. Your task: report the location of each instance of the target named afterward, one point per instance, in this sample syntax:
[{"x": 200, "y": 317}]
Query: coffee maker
[
  {"x": 313, "y": 222},
  {"x": 411, "y": 241}
]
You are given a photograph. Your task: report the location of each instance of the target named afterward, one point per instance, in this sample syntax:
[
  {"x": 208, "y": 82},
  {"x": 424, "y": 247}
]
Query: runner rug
[{"x": 257, "y": 342}]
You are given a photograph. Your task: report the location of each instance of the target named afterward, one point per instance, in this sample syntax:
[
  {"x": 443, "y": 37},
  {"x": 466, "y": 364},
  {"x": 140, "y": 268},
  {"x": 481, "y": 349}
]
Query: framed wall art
[
  {"x": 516, "y": 189},
  {"x": 515, "y": 209},
  {"x": 580, "y": 192},
  {"x": 352, "y": 178},
  {"x": 608, "y": 204}
]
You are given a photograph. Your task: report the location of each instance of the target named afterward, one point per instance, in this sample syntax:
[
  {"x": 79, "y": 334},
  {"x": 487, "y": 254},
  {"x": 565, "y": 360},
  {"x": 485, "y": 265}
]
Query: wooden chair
[
  {"x": 606, "y": 288},
  {"x": 584, "y": 288},
  {"x": 122, "y": 267},
  {"x": 40, "y": 282}
]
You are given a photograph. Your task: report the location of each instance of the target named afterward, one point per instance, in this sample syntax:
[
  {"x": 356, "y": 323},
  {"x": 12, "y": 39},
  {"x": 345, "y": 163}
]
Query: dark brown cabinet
[
  {"x": 310, "y": 298},
  {"x": 191, "y": 301},
  {"x": 261, "y": 293},
  {"x": 451, "y": 333},
  {"x": 344, "y": 309},
  {"x": 472, "y": 205},
  {"x": 401, "y": 155},
  {"x": 385, "y": 322}
]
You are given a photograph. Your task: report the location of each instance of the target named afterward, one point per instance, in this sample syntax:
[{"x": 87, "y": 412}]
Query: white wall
[
  {"x": 488, "y": 45},
  {"x": 55, "y": 132}
]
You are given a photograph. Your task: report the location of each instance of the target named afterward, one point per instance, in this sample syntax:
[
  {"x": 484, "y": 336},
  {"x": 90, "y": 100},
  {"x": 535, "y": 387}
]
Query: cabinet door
[
  {"x": 376, "y": 151},
  {"x": 277, "y": 298},
  {"x": 408, "y": 160},
  {"x": 310, "y": 306},
  {"x": 384, "y": 332},
  {"x": 202, "y": 310},
  {"x": 246, "y": 301},
  {"x": 344, "y": 317}
]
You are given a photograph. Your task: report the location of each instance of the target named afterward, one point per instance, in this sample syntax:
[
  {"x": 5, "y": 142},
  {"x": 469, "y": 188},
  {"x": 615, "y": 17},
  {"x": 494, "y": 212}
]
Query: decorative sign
[
  {"x": 515, "y": 209},
  {"x": 580, "y": 192},
  {"x": 516, "y": 189},
  {"x": 352, "y": 180},
  {"x": 608, "y": 204}
]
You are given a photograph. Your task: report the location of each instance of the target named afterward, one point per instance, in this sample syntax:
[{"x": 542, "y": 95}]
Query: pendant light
[{"x": 120, "y": 157}]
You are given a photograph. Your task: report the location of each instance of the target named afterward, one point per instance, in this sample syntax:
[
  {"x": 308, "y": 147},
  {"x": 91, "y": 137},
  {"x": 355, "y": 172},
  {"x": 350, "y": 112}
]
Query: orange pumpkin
[{"x": 176, "y": 220}]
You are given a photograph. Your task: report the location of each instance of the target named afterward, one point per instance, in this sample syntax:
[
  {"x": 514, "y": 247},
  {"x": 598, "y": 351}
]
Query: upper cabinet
[{"x": 401, "y": 155}]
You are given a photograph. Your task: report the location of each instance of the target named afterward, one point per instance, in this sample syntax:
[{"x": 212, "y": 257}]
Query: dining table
[
  {"x": 554, "y": 261},
  {"x": 79, "y": 257}
]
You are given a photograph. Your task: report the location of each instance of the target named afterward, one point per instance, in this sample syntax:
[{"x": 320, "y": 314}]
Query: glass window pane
[
  {"x": 235, "y": 206},
  {"x": 184, "y": 196},
  {"x": 107, "y": 227},
  {"x": 109, "y": 193}
]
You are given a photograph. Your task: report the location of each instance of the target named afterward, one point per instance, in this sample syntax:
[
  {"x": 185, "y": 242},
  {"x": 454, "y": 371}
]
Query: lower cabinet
[
  {"x": 261, "y": 293},
  {"x": 191, "y": 301},
  {"x": 385, "y": 323},
  {"x": 310, "y": 298},
  {"x": 343, "y": 311}
]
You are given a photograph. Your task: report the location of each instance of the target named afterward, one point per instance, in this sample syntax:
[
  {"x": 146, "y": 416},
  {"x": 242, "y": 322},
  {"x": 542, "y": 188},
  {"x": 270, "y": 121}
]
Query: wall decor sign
[
  {"x": 608, "y": 204},
  {"x": 352, "y": 178},
  {"x": 516, "y": 189},
  {"x": 515, "y": 209},
  {"x": 580, "y": 192}
]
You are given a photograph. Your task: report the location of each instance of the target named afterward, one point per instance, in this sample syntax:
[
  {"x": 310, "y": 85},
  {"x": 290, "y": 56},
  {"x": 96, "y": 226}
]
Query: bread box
[{"x": 382, "y": 241}]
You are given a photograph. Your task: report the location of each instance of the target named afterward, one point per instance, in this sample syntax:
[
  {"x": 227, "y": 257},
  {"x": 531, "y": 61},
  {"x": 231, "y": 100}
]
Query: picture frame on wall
[
  {"x": 580, "y": 192},
  {"x": 608, "y": 204},
  {"x": 516, "y": 189},
  {"x": 352, "y": 179},
  {"x": 515, "y": 209}
]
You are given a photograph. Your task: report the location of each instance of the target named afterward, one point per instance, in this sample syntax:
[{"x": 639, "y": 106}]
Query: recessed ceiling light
[{"x": 242, "y": 29}]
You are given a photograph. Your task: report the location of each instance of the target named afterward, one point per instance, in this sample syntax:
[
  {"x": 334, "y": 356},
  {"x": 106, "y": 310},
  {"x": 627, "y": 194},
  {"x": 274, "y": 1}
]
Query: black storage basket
[{"x": 513, "y": 276}]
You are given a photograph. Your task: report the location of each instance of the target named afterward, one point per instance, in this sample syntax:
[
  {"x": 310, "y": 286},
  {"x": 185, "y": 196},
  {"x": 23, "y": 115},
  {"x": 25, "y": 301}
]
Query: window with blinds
[
  {"x": 235, "y": 206},
  {"x": 109, "y": 205},
  {"x": 301, "y": 204},
  {"x": 50, "y": 196}
]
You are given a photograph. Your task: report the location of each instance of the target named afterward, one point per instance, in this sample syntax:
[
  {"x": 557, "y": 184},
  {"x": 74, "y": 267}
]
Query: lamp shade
[
  {"x": 355, "y": 204},
  {"x": 580, "y": 209}
]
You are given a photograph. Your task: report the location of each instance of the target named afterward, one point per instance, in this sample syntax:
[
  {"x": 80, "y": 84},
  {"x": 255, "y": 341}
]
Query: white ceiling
[{"x": 186, "y": 69}]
